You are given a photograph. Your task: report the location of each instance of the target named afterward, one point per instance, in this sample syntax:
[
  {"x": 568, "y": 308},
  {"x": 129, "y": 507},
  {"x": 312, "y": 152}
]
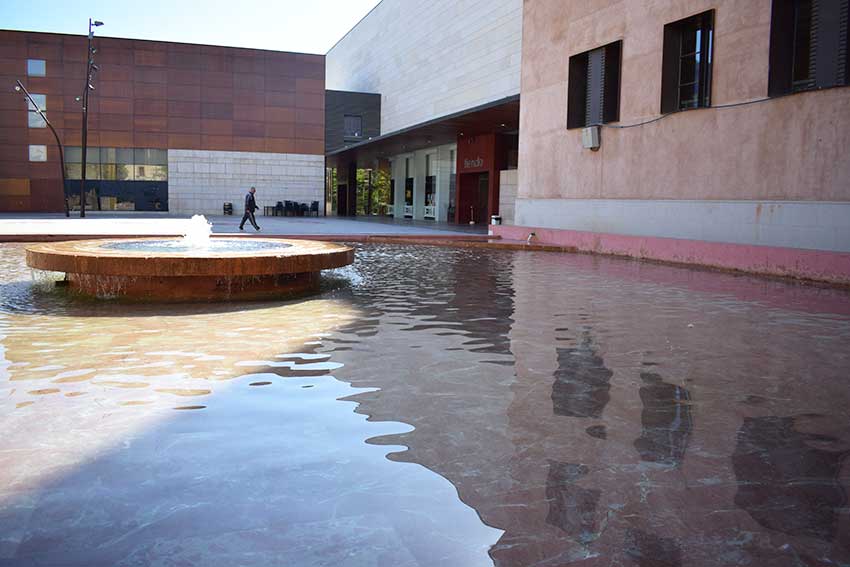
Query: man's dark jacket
[{"x": 250, "y": 203}]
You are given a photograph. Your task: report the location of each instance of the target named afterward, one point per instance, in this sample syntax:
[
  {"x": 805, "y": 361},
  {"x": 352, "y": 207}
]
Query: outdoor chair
[
  {"x": 278, "y": 209},
  {"x": 314, "y": 207},
  {"x": 288, "y": 208}
]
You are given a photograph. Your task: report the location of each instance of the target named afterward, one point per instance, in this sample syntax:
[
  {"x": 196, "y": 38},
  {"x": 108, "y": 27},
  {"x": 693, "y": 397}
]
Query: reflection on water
[
  {"x": 180, "y": 245},
  {"x": 786, "y": 481},
  {"x": 650, "y": 550},
  {"x": 571, "y": 507},
  {"x": 582, "y": 382},
  {"x": 666, "y": 421},
  {"x": 432, "y": 406}
]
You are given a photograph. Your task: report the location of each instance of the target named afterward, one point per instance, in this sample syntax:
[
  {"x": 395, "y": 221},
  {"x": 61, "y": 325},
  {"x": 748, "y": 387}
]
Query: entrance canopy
[{"x": 501, "y": 116}]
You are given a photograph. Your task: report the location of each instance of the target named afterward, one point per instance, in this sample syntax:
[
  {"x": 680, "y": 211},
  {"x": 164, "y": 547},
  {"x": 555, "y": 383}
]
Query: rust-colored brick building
[{"x": 172, "y": 126}]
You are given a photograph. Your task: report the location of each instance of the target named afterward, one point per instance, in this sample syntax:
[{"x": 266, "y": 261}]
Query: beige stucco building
[{"x": 723, "y": 132}]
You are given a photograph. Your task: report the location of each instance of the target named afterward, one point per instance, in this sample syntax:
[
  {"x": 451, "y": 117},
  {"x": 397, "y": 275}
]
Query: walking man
[{"x": 250, "y": 207}]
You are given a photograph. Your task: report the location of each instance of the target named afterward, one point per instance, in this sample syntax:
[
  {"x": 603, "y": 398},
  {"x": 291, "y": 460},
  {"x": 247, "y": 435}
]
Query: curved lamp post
[{"x": 19, "y": 87}]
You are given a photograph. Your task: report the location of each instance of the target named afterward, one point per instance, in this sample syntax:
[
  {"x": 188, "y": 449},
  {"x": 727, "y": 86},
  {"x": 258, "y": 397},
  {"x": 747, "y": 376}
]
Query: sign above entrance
[
  {"x": 476, "y": 153},
  {"x": 476, "y": 163}
]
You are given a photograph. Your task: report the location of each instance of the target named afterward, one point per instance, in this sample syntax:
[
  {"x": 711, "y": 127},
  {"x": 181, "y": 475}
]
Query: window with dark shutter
[
  {"x": 593, "y": 92},
  {"x": 808, "y": 45},
  {"x": 687, "y": 61}
]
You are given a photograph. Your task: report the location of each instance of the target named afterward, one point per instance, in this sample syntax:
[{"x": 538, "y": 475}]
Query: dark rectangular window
[
  {"x": 408, "y": 191},
  {"x": 353, "y": 126},
  {"x": 808, "y": 45},
  {"x": 430, "y": 181},
  {"x": 593, "y": 95},
  {"x": 408, "y": 183},
  {"x": 687, "y": 60},
  {"x": 452, "y": 185},
  {"x": 801, "y": 67}
]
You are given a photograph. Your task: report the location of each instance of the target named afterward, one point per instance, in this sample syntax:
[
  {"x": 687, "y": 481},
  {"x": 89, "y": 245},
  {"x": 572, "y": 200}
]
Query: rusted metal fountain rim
[{"x": 91, "y": 257}]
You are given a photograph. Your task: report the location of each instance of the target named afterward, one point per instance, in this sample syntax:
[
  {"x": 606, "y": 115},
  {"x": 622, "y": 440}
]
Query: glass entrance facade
[{"x": 118, "y": 179}]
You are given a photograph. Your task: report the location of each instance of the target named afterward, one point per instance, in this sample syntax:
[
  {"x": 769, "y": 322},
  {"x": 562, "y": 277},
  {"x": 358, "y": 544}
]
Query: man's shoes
[
  {"x": 258, "y": 228},
  {"x": 240, "y": 228}
]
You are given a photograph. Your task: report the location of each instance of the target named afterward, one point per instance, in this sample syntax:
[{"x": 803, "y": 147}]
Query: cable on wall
[{"x": 663, "y": 116}]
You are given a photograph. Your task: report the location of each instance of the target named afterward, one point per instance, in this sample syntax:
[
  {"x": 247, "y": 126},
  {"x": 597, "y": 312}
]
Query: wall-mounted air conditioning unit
[{"x": 590, "y": 138}]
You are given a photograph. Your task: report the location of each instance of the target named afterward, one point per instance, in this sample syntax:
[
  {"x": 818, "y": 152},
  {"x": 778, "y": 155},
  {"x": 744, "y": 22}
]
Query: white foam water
[{"x": 197, "y": 232}]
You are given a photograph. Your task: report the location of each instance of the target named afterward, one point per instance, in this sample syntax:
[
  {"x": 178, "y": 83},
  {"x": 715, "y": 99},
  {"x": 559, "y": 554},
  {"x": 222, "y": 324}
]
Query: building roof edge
[
  {"x": 99, "y": 36},
  {"x": 360, "y": 21}
]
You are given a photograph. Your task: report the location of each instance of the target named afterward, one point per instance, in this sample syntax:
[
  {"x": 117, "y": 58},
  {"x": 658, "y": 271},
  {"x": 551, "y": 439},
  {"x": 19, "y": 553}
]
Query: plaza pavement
[{"x": 18, "y": 226}]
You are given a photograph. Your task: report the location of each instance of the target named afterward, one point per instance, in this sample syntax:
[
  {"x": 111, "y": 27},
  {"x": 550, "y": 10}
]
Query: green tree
[{"x": 380, "y": 191}]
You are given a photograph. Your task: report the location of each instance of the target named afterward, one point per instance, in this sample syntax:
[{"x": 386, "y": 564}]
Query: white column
[
  {"x": 398, "y": 166},
  {"x": 419, "y": 185}
]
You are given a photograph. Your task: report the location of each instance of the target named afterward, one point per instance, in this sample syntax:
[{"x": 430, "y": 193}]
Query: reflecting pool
[
  {"x": 180, "y": 245},
  {"x": 432, "y": 406}
]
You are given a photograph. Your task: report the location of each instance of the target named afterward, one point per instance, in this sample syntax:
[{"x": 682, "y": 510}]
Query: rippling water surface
[
  {"x": 180, "y": 245},
  {"x": 432, "y": 406}
]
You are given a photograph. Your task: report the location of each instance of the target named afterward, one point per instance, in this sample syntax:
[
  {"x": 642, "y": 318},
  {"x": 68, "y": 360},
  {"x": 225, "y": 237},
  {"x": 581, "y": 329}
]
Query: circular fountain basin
[{"x": 167, "y": 269}]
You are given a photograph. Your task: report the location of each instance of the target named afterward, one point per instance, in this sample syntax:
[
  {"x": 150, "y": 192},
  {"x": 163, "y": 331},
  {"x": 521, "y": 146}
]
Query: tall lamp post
[
  {"x": 19, "y": 87},
  {"x": 91, "y": 68}
]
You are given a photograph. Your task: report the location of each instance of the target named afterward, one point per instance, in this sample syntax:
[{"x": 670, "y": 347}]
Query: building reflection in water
[
  {"x": 650, "y": 550},
  {"x": 571, "y": 507},
  {"x": 666, "y": 421},
  {"x": 786, "y": 482},
  {"x": 582, "y": 382},
  {"x": 525, "y": 379}
]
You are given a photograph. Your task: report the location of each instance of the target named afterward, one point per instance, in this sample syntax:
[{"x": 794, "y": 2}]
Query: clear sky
[{"x": 308, "y": 26}]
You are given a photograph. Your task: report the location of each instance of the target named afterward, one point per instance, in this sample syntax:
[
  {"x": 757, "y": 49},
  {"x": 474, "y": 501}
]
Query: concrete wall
[
  {"x": 790, "y": 224},
  {"x": 430, "y": 59},
  {"x": 200, "y": 181},
  {"x": 508, "y": 185},
  {"x": 702, "y": 175}
]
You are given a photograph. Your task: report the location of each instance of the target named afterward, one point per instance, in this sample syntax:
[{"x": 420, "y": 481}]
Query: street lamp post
[
  {"x": 91, "y": 68},
  {"x": 19, "y": 87}
]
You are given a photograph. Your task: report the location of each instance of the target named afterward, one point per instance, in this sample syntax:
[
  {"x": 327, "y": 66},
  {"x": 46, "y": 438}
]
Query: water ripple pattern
[
  {"x": 177, "y": 246},
  {"x": 432, "y": 406}
]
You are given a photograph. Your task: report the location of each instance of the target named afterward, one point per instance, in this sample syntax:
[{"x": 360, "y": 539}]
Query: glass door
[
  {"x": 408, "y": 188},
  {"x": 482, "y": 199},
  {"x": 430, "y": 187}
]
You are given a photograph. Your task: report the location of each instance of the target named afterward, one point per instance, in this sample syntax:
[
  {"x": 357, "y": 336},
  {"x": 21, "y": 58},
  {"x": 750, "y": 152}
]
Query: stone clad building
[{"x": 448, "y": 76}]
